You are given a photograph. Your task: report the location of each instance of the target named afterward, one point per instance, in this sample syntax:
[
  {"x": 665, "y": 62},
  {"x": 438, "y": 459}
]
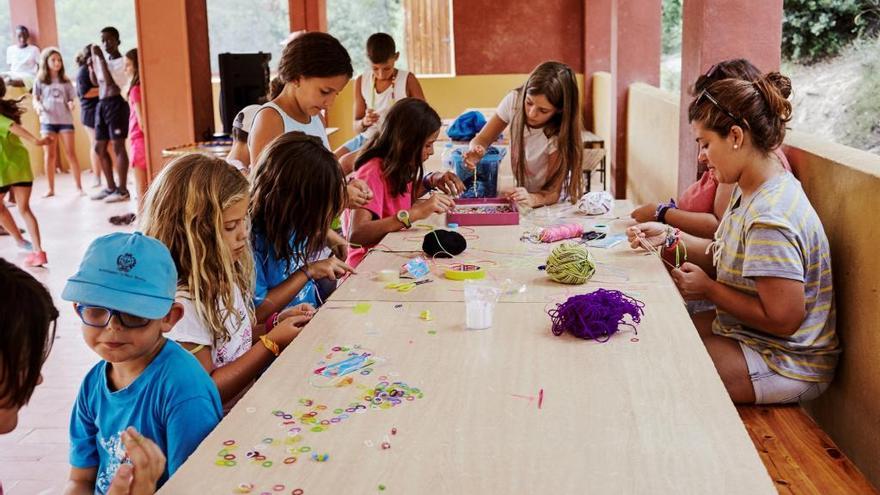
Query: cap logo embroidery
[{"x": 125, "y": 262}]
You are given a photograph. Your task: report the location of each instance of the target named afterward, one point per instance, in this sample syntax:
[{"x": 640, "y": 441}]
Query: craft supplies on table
[
  {"x": 464, "y": 271},
  {"x": 480, "y": 300},
  {"x": 484, "y": 211}
]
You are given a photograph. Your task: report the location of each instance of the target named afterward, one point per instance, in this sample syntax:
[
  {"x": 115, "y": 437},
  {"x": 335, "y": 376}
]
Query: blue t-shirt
[
  {"x": 173, "y": 402},
  {"x": 272, "y": 272}
]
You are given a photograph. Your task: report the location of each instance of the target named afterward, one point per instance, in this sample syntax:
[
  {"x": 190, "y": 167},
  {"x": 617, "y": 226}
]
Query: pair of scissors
[{"x": 406, "y": 286}]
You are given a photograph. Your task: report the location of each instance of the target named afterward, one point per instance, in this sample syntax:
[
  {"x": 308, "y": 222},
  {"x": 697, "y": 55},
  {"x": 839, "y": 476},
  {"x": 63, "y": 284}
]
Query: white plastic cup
[{"x": 479, "y": 300}]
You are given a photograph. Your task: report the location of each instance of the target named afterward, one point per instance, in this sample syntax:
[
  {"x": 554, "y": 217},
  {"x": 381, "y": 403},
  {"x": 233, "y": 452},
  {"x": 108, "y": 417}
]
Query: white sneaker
[{"x": 117, "y": 197}]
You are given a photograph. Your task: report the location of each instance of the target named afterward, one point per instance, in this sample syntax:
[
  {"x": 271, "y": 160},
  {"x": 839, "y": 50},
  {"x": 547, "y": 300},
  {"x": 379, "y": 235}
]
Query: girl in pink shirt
[{"x": 392, "y": 168}]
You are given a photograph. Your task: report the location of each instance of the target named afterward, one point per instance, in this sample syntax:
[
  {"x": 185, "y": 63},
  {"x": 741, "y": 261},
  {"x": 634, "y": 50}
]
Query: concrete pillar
[
  {"x": 635, "y": 57},
  {"x": 597, "y": 49},
  {"x": 175, "y": 74},
  {"x": 308, "y": 15},
  {"x": 39, "y": 17},
  {"x": 715, "y": 30}
]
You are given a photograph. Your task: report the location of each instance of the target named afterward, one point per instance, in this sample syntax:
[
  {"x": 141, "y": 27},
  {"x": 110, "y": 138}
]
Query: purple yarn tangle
[{"x": 597, "y": 315}]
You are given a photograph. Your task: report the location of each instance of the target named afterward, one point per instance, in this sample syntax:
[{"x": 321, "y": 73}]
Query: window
[
  {"x": 5, "y": 34},
  {"x": 235, "y": 26},
  {"x": 80, "y": 23},
  {"x": 420, "y": 28}
]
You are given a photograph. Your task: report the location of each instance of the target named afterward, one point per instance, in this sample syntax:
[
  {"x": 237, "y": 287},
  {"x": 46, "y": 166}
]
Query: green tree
[
  {"x": 253, "y": 26},
  {"x": 80, "y": 23},
  {"x": 353, "y": 21},
  {"x": 5, "y": 33},
  {"x": 671, "y": 35},
  {"x": 816, "y": 29}
]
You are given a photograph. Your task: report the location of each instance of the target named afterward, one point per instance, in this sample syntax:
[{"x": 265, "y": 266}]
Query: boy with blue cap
[{"x": 124, "y": 294}]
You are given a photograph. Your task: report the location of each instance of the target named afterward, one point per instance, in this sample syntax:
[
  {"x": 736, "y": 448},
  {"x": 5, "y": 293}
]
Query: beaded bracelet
[
  {"x": 662, "y": 208},
  {"x": 673, "y": 242},
  {"x": 272, "y": 321}
]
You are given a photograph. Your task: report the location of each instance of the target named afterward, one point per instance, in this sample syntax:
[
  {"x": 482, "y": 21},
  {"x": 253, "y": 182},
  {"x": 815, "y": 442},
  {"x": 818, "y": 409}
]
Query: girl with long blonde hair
[{"x": 198, "y": 207}]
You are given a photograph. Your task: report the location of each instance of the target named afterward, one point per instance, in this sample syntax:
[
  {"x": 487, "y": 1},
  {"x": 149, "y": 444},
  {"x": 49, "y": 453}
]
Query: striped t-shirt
[{"x": 777, "y": 233}]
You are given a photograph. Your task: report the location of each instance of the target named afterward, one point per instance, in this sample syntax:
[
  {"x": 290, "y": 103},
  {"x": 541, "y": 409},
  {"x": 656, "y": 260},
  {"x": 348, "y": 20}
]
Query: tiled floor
[{"x": 33, "y": 458}]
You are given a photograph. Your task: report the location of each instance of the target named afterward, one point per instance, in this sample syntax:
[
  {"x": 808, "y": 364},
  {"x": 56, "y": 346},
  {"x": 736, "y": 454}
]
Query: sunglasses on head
[
  {"x": 705, "y": 94},
  {"x": 99, "y": 317}
]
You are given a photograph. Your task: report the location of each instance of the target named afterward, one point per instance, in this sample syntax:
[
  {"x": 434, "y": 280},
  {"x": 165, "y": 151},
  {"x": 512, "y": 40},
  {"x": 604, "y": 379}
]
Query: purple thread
[{"x": 597, "y": 315}]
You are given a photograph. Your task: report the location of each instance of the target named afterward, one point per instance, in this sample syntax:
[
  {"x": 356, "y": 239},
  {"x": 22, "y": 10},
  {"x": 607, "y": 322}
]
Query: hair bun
[{"x": 780, "y": 82}]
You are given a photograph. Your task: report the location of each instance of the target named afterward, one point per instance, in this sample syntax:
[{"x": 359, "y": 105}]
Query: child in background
[
  {"x": 135, "y": 126},
  {"x": 772, "y": 337},
  {"x": 16, "y": 175},
  {"x": 88, "y": 103},
  {"x": 239, "y": 156},
  {"x": 314, "y": 68},
  {"x": 136, "y": 136},
  {"x": 374, "y": 93},
  {"x": 215, "y": 270},
  {"x": 701, "y": 206},
  {"x": 392, "y": 167},
  {"x": 111, "y": 117},
  {"x": 124, "y": 294},
  {"x": 546, "y": 143},
  {"x": 24, "y": 347},
  {"x": 298, "y": 189},
  {"x": 23, "y": 59},
  {"x": 53, "y": 100}
]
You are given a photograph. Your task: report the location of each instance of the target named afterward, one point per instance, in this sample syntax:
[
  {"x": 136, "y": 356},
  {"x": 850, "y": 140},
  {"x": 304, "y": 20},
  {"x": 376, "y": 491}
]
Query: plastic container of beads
[
  {"x": 483, "y": 184},
  {"x": 484, "y": 211}
]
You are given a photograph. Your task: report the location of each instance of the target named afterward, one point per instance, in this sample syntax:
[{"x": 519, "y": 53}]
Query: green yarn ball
[{"x": 570, "y": 264}]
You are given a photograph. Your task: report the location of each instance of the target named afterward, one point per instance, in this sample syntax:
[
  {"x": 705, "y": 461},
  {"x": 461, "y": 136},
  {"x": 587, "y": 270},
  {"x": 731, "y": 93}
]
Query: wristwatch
[{"x": 403, "y": 217}]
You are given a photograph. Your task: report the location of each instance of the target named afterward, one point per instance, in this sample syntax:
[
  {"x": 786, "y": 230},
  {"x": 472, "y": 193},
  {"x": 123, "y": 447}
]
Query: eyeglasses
[
  {"x": 705, "y": 94},
  {"x": 99, "y": 317}
]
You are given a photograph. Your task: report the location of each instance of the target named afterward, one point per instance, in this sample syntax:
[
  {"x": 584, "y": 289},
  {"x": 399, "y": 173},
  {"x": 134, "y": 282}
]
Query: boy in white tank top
[{"x": 375, "y": 91}]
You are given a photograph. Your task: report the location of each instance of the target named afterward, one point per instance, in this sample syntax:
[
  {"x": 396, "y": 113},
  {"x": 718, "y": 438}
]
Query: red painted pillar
[
  {"x": 175, "y": 74},
  {"x": 308, "y": 15},
  {"x": 635, "y": 57},
  {"x": 597, "y": 49},
  {"x": 715, "y": 30},
  {"x": 39, "y": 17}
]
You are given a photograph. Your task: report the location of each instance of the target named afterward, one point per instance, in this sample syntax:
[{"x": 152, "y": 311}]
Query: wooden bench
[{"x": 798, "y": 455}]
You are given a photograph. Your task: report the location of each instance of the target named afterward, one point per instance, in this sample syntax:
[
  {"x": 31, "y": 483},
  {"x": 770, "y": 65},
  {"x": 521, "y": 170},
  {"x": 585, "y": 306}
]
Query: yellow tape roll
[{"x": 464, "y": 272}]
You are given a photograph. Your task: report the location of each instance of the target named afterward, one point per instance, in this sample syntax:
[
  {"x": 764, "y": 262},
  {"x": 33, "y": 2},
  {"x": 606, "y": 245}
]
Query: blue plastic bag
[{"x": 466, "y": 126}]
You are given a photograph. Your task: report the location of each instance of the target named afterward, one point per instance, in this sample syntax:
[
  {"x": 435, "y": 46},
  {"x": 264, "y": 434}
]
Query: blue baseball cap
[{"x": 132, "y": 273}]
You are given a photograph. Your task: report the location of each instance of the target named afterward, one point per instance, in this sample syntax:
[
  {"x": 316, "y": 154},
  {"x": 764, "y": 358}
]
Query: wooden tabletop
[{"x": 510, "y": 409}]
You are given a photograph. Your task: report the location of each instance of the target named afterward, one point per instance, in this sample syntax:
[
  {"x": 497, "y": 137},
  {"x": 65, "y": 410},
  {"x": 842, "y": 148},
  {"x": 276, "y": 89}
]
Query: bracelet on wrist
[
  {"x": 270, "y": 345},
  {"x": 271, "y": 321},
  {"x": 662, "y": 208}
]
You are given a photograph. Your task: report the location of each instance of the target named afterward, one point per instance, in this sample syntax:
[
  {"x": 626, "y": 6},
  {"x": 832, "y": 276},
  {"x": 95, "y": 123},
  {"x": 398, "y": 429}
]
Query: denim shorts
[
  {"x": 773, "y": 388},
  {"x": 55, "y": 128}
]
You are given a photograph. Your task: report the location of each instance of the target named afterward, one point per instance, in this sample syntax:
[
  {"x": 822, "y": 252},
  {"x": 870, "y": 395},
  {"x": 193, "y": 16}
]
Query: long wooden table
[{"x": 510, "y": 409}]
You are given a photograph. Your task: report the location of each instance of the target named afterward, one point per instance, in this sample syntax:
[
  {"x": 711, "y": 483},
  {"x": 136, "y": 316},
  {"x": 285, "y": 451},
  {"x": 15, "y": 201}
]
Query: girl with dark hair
[
  {"x": 772, "y": 336},
  {"x": 16, "y": 175},
  {"x": 391, "y": 165},
  {"x": 298, "y": 189},
  {"x": 546, "y": 143},
  {"x": 700, "y": 207}
]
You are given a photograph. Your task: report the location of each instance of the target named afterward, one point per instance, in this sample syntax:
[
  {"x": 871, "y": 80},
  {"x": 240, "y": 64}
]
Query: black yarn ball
[{"x": 443, "y": 244}]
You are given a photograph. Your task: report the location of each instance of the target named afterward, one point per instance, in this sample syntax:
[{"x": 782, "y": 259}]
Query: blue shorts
[
  {"x": 55, "y": 128},
  {"x": 355, "y": 143}
]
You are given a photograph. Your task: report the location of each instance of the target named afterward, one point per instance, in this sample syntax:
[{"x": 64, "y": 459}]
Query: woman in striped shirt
[{"x": 768, "y": 269}]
